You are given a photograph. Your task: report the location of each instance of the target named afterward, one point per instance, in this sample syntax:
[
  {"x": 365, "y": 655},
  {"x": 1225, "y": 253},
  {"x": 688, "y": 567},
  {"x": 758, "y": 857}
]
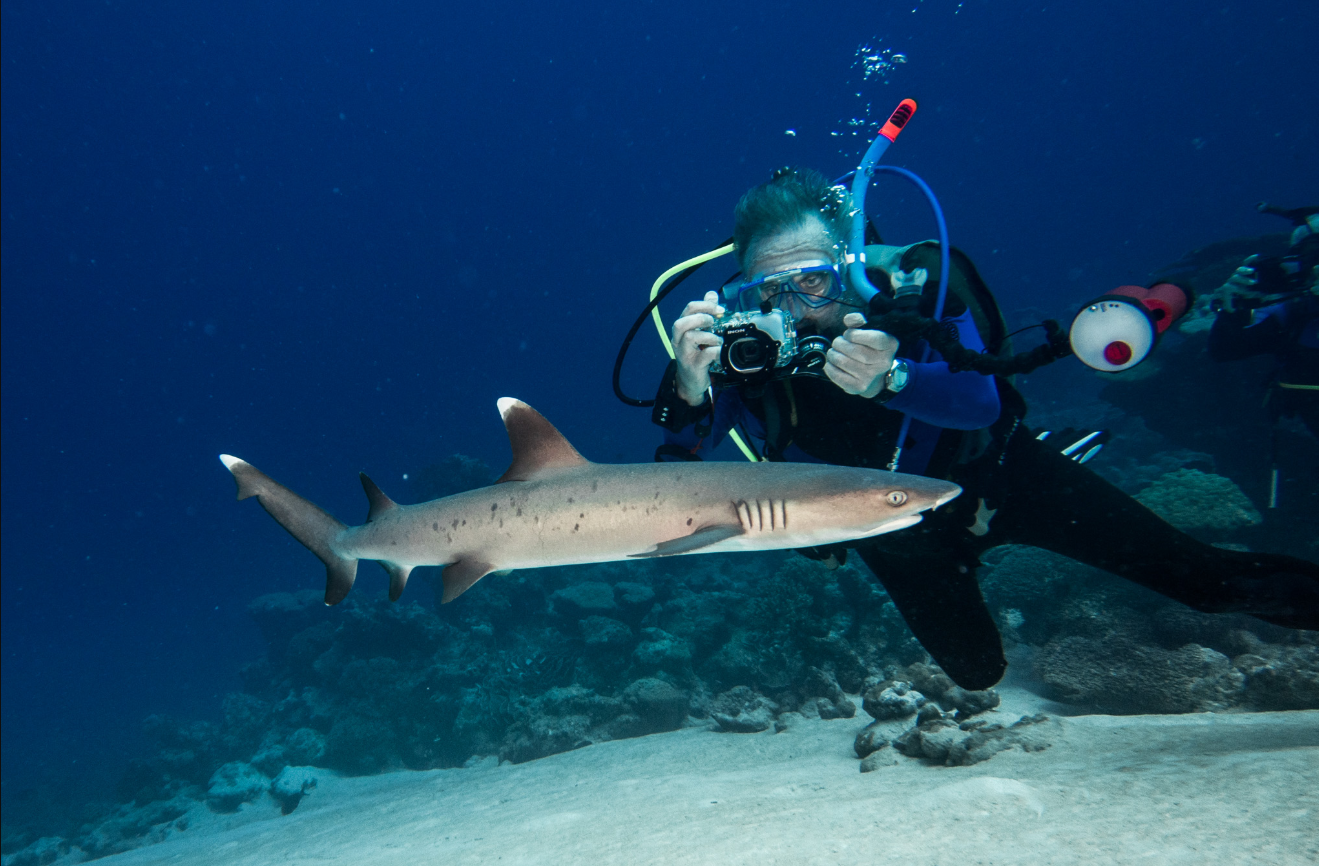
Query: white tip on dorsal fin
[{"x": 537, "y": 447}]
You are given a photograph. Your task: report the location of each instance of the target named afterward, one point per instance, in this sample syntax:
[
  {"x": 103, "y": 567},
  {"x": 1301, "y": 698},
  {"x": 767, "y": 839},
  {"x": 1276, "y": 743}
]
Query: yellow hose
[{"x": 664, "y": 334}]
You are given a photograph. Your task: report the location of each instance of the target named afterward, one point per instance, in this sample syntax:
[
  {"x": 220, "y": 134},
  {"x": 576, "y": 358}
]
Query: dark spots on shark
[
  {"x": 576, "y": 526},
  {"x": 435, "y": 526},
  {"x": 494, "y": 506},
  {"x": 581, "y": 516},
  {"x": 455, "y": 523},
  {"x": 689, "y": 521},
  {"x": 595, "y": 485},
  {"x": 519, "y": 512},
  {"x": 570, "y": 499}
]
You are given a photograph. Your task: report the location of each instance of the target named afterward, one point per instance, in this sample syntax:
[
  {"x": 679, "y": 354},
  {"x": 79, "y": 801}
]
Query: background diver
[
  {"x": 1271, "y": 306},
  {"x": 967, "y": 427}
]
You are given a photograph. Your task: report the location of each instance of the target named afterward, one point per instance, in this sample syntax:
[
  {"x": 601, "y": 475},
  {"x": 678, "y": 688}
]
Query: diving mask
[{"x": 793, "y": 290}]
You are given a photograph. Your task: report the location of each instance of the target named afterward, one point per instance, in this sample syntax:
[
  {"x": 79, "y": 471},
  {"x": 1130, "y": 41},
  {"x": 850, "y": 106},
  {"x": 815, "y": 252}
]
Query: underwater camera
[
  {"x": 762, "y": 346},
  {"x": 1117, "y": 331}
]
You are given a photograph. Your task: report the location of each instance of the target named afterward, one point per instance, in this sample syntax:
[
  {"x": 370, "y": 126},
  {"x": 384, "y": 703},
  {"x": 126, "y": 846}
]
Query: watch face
[{"x": 897, "y": 377}]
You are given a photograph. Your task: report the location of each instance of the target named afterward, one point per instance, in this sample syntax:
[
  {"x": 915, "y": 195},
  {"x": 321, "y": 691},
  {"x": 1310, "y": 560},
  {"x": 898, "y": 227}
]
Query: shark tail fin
[{"x": 304, "y": 520}]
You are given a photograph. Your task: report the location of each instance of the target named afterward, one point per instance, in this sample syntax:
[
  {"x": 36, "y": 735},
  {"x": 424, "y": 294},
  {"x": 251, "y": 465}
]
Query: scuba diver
[
  {"x": 797, "y": 358},
  {"x": 1271, "y": 306}
]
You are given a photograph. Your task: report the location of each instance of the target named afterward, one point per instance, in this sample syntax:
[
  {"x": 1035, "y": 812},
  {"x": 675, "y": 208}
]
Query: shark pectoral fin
[
  {"x": 460, "y": 576},
  {"x": 379, "y": 502},
  {"x": 697, "y": 540},
  {"x": 538, "y": 448},
  {"x": 398, "y": 577}
]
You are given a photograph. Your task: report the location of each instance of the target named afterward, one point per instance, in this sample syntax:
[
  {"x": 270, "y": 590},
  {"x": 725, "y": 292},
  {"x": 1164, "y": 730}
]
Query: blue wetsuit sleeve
[
  {"x": 939, "y": 397},
  {"x": 728, "y": 412},
  {"x": 1243, "y": 334}
]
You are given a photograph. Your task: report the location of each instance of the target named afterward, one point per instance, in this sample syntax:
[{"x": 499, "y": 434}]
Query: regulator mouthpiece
[{"x": 1117, "y": 331}]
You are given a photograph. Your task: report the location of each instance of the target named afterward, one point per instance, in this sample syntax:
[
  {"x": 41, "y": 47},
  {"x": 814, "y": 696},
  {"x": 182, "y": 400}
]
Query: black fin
[
  {"x": 379, "y": 502},
  {"x": 697, "y": 540}
]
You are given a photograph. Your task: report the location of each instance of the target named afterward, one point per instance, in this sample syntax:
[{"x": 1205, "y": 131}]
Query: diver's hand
[
  {"x": 695, "y": 349},
  {"x": 859, "y": 360},
  {"x": 1240, "y": 285}
]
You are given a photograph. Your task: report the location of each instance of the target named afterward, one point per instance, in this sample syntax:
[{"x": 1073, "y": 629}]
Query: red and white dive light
[{"x": 1117, "y": 331}]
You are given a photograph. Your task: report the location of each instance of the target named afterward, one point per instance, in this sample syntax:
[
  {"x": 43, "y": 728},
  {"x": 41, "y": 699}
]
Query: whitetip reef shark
[{"x": 555, "y": 507}]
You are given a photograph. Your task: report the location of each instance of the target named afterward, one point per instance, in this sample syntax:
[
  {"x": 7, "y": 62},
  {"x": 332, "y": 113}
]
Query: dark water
[{"x": 326, "y": 237}]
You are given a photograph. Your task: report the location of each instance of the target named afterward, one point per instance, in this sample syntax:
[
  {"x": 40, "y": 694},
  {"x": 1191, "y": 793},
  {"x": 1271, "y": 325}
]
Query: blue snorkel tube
[{"x": 856, "y": 247}]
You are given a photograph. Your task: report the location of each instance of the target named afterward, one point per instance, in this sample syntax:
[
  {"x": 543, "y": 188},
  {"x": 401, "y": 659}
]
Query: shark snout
[
  {"x": 945, "y": 498},
  {"x": 923, "y": 494}
]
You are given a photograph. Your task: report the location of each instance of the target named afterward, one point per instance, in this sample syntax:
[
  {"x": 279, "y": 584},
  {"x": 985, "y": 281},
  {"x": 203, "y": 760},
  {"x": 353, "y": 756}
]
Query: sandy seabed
[{"x": 1240, "y": 788}]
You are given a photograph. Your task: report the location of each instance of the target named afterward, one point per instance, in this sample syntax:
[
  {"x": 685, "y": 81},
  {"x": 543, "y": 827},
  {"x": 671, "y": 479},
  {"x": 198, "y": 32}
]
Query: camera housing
[
  {"x": 754, "y": 344},
  {"x": 762, "y": 346}
]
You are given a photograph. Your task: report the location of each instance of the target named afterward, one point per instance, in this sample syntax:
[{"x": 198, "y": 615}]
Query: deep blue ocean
[{"x": 326, "y": 237}]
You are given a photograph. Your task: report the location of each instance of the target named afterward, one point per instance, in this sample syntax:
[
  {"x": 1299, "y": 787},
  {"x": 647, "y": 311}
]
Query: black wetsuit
[
  {"x": 1042, "y": 498},
  {"x": 1037, "y": 497},
  {"x": 1289, "y": 331}
]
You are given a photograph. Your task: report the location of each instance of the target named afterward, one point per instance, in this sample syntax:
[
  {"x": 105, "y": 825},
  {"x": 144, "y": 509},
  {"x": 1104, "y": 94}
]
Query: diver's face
[{"x": 803, "y": 246}]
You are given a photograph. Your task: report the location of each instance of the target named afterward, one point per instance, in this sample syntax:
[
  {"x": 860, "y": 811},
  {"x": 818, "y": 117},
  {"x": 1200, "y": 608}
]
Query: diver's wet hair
[{"x": 792, "y": 195}]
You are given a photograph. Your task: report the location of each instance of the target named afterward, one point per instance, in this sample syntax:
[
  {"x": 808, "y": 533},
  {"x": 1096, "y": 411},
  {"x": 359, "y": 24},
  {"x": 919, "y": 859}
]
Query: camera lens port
[{"x": 751, "y": 354}]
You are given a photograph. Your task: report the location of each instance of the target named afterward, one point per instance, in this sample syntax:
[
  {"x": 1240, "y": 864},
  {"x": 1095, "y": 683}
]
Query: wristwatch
[{"x": 899, "y": 373}]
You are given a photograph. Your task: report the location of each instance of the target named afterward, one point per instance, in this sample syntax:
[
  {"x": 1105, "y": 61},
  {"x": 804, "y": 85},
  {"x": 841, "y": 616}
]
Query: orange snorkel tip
[{"x": 898, "y": 119}]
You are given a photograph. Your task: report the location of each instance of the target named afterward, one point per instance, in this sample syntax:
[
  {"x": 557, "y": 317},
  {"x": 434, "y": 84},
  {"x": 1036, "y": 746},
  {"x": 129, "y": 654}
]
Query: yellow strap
[
  {"x": 1291, "y": 387},
  {"x": 664, "y": 334},
  {"x": 663, "y": 278}
]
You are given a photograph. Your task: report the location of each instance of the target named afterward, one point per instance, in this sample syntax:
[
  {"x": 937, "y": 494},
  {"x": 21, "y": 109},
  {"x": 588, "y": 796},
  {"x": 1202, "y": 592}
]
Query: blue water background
[{"x": 327, "y": 236}]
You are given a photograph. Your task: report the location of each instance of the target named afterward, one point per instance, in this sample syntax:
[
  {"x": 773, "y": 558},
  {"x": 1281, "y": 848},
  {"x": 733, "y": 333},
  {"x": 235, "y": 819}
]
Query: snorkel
[{"x": 856, "y": 247}]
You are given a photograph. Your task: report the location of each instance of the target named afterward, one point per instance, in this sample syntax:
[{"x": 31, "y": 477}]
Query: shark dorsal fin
[
  {"x": 537, "y": 447},
  {"x": 379, "y": 502}
]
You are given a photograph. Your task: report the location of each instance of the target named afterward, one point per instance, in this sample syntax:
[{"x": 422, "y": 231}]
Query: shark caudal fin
[{"x": 304, "y": 521}]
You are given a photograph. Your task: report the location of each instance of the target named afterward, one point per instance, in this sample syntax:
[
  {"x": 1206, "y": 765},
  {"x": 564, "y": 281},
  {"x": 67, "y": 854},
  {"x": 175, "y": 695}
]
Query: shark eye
[{"x": 896, "y": 498}]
